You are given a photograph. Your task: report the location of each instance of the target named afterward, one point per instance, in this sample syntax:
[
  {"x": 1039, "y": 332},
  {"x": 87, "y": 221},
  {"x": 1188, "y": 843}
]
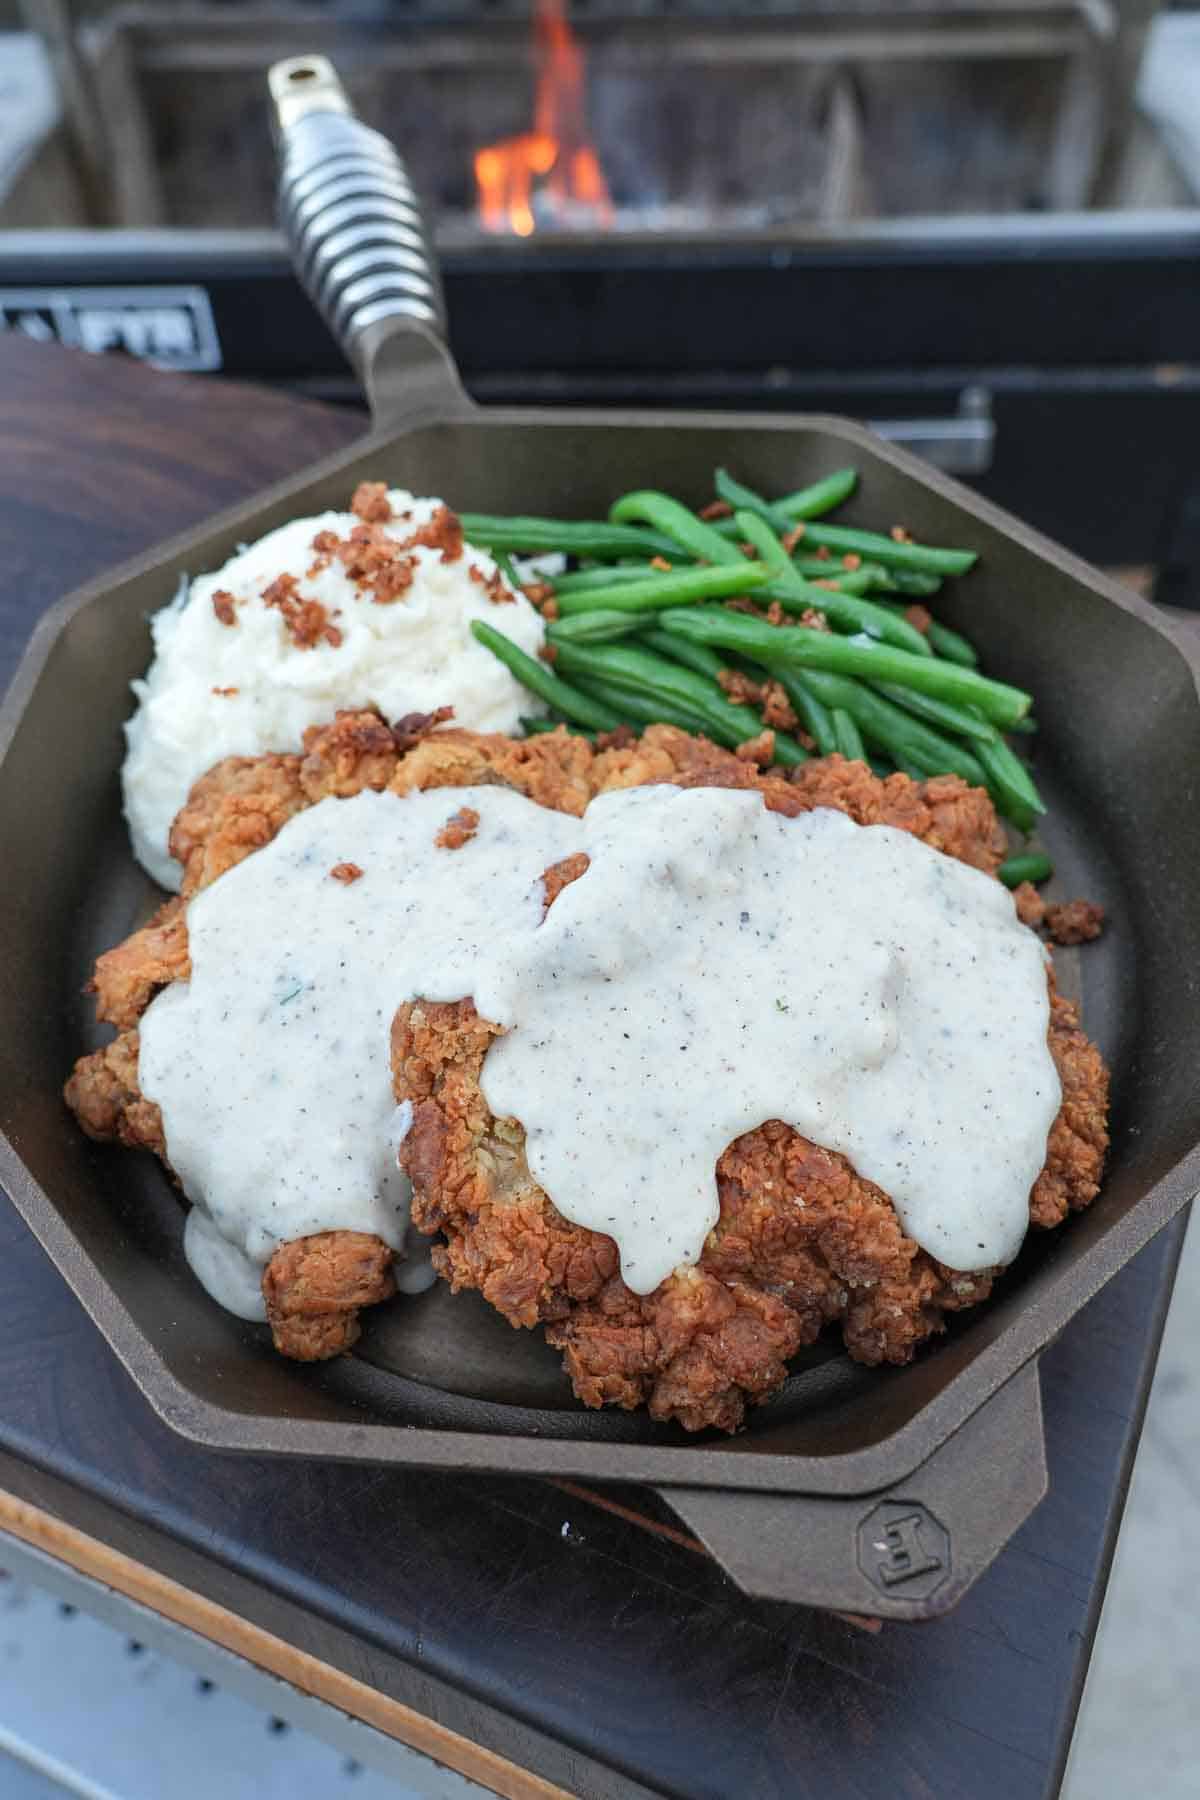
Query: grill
[
  {"x": 703, "y": 125},
  {"x": 862, "y": 208}
]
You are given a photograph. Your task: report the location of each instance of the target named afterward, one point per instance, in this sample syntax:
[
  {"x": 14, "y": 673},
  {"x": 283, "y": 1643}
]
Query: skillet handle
[
  {"x": 908, "y": 1552},
  {"x": 359, "y": 245}
]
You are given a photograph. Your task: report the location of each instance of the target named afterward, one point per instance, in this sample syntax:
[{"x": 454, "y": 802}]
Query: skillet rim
[{"x": 737, "y": 1463}]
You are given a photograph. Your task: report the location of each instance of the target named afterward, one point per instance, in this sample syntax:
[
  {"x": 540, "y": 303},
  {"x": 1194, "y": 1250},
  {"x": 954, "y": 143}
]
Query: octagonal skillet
[{"x": 882, "y": 1491}]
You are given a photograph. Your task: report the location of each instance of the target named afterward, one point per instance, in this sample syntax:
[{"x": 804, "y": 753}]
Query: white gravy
[
  {"x": 271, "y": 1065},
  {"x": 717, "y": 965},
  {"x": 222, "y": 1268}
]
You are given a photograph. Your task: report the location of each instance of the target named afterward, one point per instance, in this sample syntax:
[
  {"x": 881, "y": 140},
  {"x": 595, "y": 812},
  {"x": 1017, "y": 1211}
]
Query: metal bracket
[{"x": 963, "y": 445}]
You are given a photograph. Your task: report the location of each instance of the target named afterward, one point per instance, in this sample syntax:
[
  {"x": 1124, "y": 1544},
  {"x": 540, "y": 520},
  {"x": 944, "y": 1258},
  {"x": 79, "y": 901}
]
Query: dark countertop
[{"x": 605, "y": 1658}]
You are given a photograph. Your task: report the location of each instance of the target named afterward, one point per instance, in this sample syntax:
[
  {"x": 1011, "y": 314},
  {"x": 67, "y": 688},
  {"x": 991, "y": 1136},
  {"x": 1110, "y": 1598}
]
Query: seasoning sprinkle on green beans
[
  {"x": 893, "y": 554},
  {"x": 643, "y": 673},
  {"x": 803, "y": 648},
  {"x": 643, "y": 633},
  {"x": 848, "y": 612}
]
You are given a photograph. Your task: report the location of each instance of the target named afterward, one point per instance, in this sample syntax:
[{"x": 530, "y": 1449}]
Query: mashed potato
[{"x": 320, "y": 614}]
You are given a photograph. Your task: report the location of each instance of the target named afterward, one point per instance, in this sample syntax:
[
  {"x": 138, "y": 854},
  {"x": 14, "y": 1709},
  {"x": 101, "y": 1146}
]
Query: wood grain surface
[
  {"x": 32, "y": 1525},
  {"x": 606, "y": 1659}
]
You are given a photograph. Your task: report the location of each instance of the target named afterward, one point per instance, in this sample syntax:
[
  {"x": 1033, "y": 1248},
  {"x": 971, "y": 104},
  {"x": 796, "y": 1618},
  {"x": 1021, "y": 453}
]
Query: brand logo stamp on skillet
[{"x": 903, "y": 1549}]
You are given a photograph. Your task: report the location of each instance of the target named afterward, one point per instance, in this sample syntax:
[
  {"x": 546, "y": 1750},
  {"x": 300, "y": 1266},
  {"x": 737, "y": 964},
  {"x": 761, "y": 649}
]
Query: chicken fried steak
[{"x": 770, "y": 1276}]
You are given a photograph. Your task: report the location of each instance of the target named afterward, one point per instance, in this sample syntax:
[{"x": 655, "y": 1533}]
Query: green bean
[
  {"x": 856, "y": 585},
  {"x": 914, "y": 582},
  {"x": 1027, "y": 725},
  {"x": 535, "y": 676},
  {"x": 1010, "y": 783},
  {"x": 962, "y": 719},
  {"x": 598, "y": 627},
  {"x": 948, "y": 644},
  {"x": 639, "y": 710},
  {"x": 676, "y": 649},
  {"x": 744, "y": 499},
  {"x": 584, "y": 581},
  {"x": 853, "y": 613},
  {"x": 676, "y": 523},
  {"x": 844, "y": 656},
  {"x": 872, "y": 547},
  {"x": 764, "y": 541},
  {"x": 909, "y": 743},
  {"x": 812, "y": 502},
  {"x": 504, "y": 563},
  {"x": 1032, "y": 866},
  {"x": 848, "y": 611},
  {"x": 846, "y": 736},
  {"x": 814, "y": 714},
  {"x": 537, "y": 728},
  {"x": 816, "y": 568},
  {"x": 573, "y": 537},
  {"x": 850, "y": 581},
  {"x": 641, "y": 672},
  {"x": 674, "y": 589}
]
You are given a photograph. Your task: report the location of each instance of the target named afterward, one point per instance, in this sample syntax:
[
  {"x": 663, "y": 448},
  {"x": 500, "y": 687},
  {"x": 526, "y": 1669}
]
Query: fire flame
[{"x": 555, "y": 161}]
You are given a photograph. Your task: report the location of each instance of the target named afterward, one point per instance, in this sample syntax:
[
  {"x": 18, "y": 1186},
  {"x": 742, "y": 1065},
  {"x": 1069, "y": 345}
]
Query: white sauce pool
[
  {"x": 219, "y": 1266},
  {"x": 716, "y": 966}
]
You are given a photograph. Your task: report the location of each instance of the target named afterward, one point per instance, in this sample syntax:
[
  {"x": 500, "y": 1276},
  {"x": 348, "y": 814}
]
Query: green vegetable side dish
[
  {"x": 539, "y": 537},
  {"x": 674, "y": 588},
  {"x": 846, "y": 736},
  {"x": 659, "y": 604},
  {"x": 804, "y": 649},
  {"x": 1033, "y": 866},
  {"x": 649, "y": 676},
  {"x": 535, "y": 676},
  {"x": 598, "y": 627}
]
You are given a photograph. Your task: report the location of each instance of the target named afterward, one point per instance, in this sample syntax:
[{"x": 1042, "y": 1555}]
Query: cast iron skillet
[{"x": 882, "y": 1491}]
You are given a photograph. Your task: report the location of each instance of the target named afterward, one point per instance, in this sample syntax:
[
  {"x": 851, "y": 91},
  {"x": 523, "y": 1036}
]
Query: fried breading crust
[
  {"x": 315, "y": 1287},
  {"x": 127, "y": 978},
  {"x": 103, "y": 1094},
  {"x": 712, "y": 1336},
  {"x": 802, "y": 1240}
]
